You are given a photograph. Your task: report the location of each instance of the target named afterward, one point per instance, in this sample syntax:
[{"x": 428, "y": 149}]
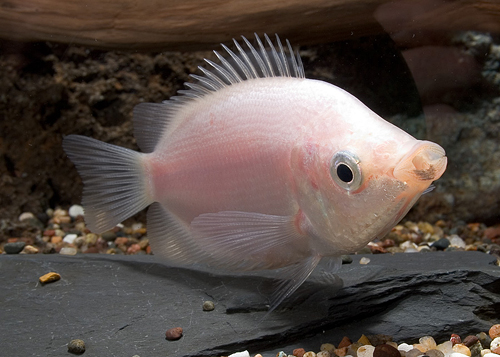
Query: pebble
[
  {"x": 49, "y": 278},
  {"x": 68, "y": 251},
  {"x": 327, "y": 347},
  {"x": 461, "y": 348},
  {"x": 485, "y": 339},
  {"x": 364, "y": 260},
  {"x": 323, "y": 354},
  {"x": 29, "y": 249},
  {"x": 346, "y": 342},
  {"x": 404, "y": 347},
  {"x": 385, "y": 350},
  {"x": 309, "y": 354},
  {"x": 428, "y": 342},
  {"x": 434, "y": 353},
  {"x": 366, "y": 351},
  {"x": 208, "y": 306},
  {"x": 240, "y": 354},
  {"x": 174, "y": 333},
  {"x": 364, "y": 340},
  {"x": 414, "y": 353},
  {"x": 495, "y": 344},
  {"x": 494, "y": 331},
  {"x": 26, "y": 216},
  {"x": 14, "y": 247},
  {"x": 70, "y": 238},
  {"x": 75, "y": 211},
  {"x": 470, "y": 340},
  {"x": 455, "y": 339},
  {"x": 456, "y": 241},
  {"x": 76, "y": 346},
  {"x": 299, "y": 352}
]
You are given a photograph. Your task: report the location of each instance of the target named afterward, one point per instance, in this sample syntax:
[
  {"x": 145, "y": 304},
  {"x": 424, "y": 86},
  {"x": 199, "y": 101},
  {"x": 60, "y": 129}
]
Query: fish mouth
[{"x": 424, "y": 163}]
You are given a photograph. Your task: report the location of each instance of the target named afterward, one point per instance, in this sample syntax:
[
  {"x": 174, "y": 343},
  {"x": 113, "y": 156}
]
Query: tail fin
[{"x": 114, "y": 179}]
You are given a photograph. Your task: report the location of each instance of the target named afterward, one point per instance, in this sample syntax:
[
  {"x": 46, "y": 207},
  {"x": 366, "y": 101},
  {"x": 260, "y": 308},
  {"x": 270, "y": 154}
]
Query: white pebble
[
  {"x": 456, "y": 241},
  {"x": 136, "y": 226},
  {"x": 409, "y": 247},
  {"x": 70, "y": 238},
  {"x": 75, "y": 211},
  {"x": 309, "y": 354},
  {"x": 405, "y": 347},
  {"x": 495, "y": 343},
  {"x": 428, "y": 342},
  {"x": 25, "y": 216},
  {"x": 366, "y": 351},
  {"x": 364, "y": 260},
  {"x": 68, "y": 251},
  {"x": 240, "y": 354},
  {"x": 445, "y": 347},
  {"x": 491, "y": 354}
]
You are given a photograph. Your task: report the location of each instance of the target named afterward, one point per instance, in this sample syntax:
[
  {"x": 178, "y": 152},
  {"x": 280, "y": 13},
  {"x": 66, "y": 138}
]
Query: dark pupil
[{"x": 344, "y": 173}]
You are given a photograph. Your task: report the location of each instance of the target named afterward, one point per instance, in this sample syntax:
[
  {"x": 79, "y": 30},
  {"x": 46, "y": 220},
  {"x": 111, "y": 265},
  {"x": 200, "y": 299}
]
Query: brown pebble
[
  {"x": 299, "y": 352},
  {"x": 455, "y": 339},
  {"x": 494, "y": 331},
  {"x": 121, "y": 241},
  {"x": 341, "y": 352},
  {"x": 173, "y": 334},
  {"x": 386, "y": 351},
  {"x": 49, "y": 278},
  {"x": 470, "y": 340},
  {"x": 76, "y": 346},
  {"x": 346, "y": 342}
]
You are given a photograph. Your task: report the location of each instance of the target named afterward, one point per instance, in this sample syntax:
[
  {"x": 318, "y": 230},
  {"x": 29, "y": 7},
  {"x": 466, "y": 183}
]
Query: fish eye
[{"x": 346, "y": 170}]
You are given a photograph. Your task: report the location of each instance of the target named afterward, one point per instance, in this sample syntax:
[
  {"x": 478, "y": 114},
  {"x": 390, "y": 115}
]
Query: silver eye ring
[{"x": 345, "y": 170}]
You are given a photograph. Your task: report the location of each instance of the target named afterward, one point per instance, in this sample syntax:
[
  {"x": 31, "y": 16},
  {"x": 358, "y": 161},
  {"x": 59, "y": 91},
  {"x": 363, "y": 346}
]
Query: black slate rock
[{"x": 123, "y": 304}]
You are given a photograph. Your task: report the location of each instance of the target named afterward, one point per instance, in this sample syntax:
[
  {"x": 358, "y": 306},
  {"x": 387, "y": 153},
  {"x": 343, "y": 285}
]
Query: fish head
[{"x": 357, "y": 191}]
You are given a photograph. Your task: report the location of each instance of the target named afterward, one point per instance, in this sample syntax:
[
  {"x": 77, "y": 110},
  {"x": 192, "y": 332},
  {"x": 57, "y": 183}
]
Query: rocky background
[{"x": 48, "y": 90}]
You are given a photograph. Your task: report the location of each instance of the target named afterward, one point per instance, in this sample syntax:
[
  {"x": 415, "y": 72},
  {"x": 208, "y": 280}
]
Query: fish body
[{"x": 256, "y": 167}]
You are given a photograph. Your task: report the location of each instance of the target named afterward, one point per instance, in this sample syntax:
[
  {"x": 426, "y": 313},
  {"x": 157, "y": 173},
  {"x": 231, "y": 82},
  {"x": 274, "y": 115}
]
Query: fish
[{"x": 254, "y": 167}]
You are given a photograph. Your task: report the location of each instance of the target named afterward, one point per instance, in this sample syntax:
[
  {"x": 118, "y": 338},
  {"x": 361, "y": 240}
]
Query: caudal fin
[{"x": 114, "y": 179}]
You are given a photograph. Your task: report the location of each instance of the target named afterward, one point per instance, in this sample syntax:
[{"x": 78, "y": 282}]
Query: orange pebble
[
  {"x": 494, "y": 331},
  {"x": 56, "y": 240},
  {"x": 49, "y": 278}
]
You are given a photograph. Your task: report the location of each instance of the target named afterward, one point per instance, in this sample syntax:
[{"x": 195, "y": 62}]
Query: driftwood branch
[{"x": 200, "y": 24}]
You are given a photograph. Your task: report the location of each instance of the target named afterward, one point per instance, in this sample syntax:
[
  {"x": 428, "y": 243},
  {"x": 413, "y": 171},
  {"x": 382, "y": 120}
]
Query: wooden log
[{"x": 200, "y": 24}]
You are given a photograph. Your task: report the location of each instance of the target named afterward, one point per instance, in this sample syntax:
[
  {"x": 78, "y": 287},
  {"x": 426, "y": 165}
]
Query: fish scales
[{"x": 255, "y": 167}]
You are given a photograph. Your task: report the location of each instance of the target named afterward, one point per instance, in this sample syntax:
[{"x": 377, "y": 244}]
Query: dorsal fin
[
  {"x": 151, "y": 120},
  {"x": 244, "y": 64}
]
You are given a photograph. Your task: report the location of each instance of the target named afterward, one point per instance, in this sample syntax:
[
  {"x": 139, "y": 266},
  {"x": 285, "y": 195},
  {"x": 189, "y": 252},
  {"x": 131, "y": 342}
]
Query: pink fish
[{"x": 255, "y": 167}]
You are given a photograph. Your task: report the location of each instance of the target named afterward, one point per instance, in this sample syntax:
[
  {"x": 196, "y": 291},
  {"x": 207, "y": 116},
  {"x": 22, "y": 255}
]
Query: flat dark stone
[{"x": 123, "y": 305}]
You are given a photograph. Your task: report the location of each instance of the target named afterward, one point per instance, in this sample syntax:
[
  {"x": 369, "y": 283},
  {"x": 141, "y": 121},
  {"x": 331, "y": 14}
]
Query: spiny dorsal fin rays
[{"x": 244, "y": 64}]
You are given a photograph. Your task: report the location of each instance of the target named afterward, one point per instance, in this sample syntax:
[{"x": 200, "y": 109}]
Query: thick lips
[{"x": 424, "y": 163}]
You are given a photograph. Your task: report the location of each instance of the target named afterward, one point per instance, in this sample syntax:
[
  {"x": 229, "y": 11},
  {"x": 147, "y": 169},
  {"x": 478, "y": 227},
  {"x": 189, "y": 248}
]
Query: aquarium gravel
[{"x": 64, "y": 232}]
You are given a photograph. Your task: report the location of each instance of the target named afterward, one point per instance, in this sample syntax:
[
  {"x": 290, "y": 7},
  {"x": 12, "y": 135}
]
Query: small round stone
[
  {"x": 364, "y": 260},
  {"x": 76, "y": 346},
  {"x": 309, "y": 354},
  {"x": 208, "y": 306},
  {"x": 366, "y": 351},
  {"x": 75, "y": 211},
  {"x": 414, "y": 353},
  {"x": 485, "y": 339},
  {"x": 68, "y": 251},
  {"x": 494, "y": 331},
  {"x": 25, "y": 216},
  {"x": 385, "y": 350},
  {"x": 323, "y": 354},
  {"x": 29, "y": 249},
  {"x": 441, "y": 244},
  {"x": 70, "y": 238},
  {"x": 461, "y": 348},
  {"x": 455, "y": 339},
  {"x": 14, "y": 247},
  {"x": 174, "y": 333},
  {"x": 434, "y": 353},
  {"x": 428, "y": 342},
  {"x": 470, "y": 340},
  {"x": 327, "y": 347},
  {"x": 299, "y": 352},
  {"x": 495, "y": 343}
]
